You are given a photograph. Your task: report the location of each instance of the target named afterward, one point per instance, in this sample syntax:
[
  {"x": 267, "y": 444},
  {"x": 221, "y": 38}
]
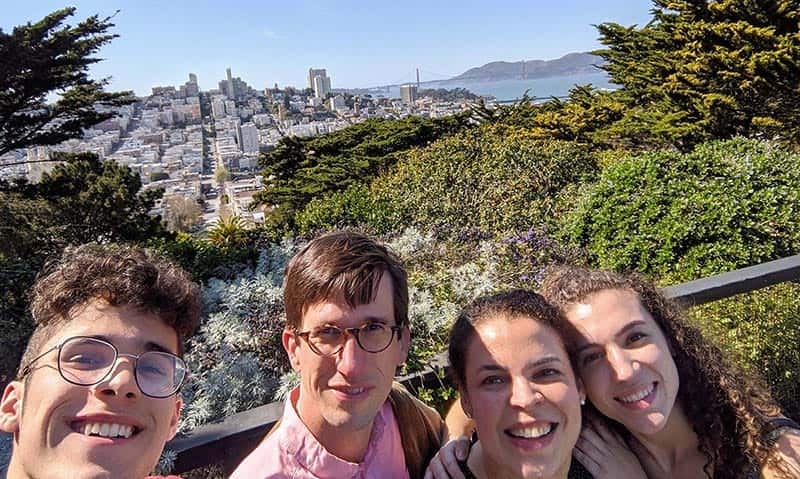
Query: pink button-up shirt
[{"x": 293, "y": 452}]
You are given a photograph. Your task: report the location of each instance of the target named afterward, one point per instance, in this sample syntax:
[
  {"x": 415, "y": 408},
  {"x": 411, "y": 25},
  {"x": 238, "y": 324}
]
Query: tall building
[
  {"x": 191, "y": 86},
  {"x": 218, "y": 108},
  {"x": 249, "y": 137},
  {"x": 408, "y": 93},
  {"x": 230, "y": 92},
  {"x": 322, "y": 86},
  {"x": 311, "y": 74}
]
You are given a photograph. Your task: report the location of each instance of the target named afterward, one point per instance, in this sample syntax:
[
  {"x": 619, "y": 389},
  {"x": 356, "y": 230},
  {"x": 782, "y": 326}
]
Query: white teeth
[
  {"x": 107, "y": 430},
  {"x": 637, "y": 396},
  {"x": 532, "y": 432},
  {"x": 355, "y": 390}
]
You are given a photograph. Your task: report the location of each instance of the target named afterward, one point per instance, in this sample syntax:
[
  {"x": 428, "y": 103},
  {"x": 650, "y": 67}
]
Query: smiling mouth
[
  {"x": 104, "y": 429},
  {"x": 532, "y": 432},
  {"x": 637, "y": 395}
]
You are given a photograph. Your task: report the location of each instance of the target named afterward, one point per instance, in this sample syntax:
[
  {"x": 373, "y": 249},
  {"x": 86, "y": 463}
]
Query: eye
[
  {"x": 328, "y": 331},
  {"x": 636, "y": 337},
  {"x": 549, "y": 373},
  {"x": 591, "y": 357},
  {"x": 492, "y": 380},
  {"x": 374, "y": 327}
]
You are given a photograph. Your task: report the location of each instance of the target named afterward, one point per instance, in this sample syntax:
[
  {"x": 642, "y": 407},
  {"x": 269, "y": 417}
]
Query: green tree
[
  {"x": 221, "y": 174},
  {"x": 707, "y": 69},
  {"x": 83, "y": 199},
  {"x": 44, "y": 58},
  {"x": 229, "y": 232}
]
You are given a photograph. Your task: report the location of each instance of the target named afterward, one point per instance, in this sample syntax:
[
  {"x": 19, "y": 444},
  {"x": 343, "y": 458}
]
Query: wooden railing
[{"x": 228, "y": 442}]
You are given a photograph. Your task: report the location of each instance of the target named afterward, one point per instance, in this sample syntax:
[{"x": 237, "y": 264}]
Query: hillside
[{"x": 569, "y": 64}]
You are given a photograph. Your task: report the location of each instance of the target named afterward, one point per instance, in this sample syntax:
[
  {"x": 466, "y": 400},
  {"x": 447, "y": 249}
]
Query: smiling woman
[
  {"x": 517, "y": 384},
  {"x": 683, "y": 410}
]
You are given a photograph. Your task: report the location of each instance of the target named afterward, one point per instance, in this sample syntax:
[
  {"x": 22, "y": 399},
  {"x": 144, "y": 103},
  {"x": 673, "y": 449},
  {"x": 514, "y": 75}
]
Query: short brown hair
[
  {"x": 118, "y": 275},
  {"x": 342, "y": 263}
]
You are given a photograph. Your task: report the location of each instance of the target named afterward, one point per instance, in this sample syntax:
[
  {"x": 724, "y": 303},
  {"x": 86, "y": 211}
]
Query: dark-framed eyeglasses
[
  {"x": 86, "y": 361},
  {"x": 371, "y": 337}
]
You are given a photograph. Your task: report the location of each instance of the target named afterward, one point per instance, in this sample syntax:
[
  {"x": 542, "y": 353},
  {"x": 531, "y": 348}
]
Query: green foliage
[
  {"x": 761, "y": 331},
  {"x": 495, "y": 179},
  {"x": 81, "y": 200},
  {"x": 707, "y": 70},
  {"x": 679, "y": 217},
  {"x": 228, "y": 232},
  {"x": 46, "y": 57},
  {"x": 302, "y": 169},
  {"x": 158, "y": 176},
  {"x": 354, "y": 207}
]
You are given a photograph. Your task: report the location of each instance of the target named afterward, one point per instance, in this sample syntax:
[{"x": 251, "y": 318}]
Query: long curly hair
[{"x": 727, "y": 408}]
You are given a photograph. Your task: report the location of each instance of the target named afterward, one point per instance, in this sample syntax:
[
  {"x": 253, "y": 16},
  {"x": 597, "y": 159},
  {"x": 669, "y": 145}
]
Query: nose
[
  {"x": 351, "y": 357},
  {"x": 622, "y": 365},
  {"x": 120, "y": 381},
  {"x": 523, "y": 394}
]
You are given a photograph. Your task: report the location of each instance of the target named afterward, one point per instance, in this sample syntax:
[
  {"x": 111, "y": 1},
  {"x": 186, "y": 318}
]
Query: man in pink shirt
[{"x": 347, "y": 331}]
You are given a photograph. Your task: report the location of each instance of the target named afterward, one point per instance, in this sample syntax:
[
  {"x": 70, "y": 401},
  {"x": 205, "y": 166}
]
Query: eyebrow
[
  {"x": 621, "y": 332},
  {"x": 148, "y": 346},
  {"x": 537, "y": 363}
]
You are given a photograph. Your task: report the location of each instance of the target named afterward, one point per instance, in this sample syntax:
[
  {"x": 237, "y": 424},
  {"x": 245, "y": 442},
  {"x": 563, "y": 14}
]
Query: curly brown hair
[
  {"x": 727, "y": 408},
  {"x": 118, "y": 275}
]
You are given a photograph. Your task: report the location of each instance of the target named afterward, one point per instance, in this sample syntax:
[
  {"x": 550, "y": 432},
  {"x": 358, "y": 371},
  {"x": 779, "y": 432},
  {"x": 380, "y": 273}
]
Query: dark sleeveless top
[{"x": 576, "y": 470}]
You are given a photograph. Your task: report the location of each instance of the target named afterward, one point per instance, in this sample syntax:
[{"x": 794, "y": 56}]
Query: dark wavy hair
[
  {"x": 727, "y": 408},
  {"x": 119, "y": 275},
  {"x": 510, "y": 305}
]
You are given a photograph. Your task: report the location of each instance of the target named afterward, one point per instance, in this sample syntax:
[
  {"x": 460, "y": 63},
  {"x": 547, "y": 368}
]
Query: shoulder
[
  {"x": 787, "y": 447},
  {"x": 405, "y": 406}
]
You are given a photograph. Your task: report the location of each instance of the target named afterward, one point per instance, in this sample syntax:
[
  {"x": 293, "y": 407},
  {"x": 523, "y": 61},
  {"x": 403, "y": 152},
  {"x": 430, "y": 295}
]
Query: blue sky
[{"x": 360, "y": 43}]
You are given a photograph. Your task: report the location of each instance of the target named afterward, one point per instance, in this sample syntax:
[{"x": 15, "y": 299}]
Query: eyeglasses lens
[{"x": 86, "y": 361}]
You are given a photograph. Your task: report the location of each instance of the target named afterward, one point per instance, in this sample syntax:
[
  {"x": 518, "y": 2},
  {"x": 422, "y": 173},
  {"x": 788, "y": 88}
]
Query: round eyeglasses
[
  {"x": 371, "y": 337},
  {"x": 86, "y": 361}
]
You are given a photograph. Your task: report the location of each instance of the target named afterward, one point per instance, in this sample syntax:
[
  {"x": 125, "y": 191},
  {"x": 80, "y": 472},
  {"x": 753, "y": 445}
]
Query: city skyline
[{"x": 380, "y": 44}]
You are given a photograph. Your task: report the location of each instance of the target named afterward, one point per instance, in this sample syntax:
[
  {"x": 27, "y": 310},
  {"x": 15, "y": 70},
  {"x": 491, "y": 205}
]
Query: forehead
[
  {"x": 513, "y": 342},
  {"x": 336, "y": 310},
  {"x": 602, "y": 314},
  {"x": 124, "y": 326}
]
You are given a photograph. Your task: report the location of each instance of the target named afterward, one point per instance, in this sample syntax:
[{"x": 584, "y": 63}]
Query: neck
[
  {"x": 483, "y": 467},
  {"x": 343, "y": 442},
  {"x": 673, "y": 443},
  {"x": 15, "y": 470}
]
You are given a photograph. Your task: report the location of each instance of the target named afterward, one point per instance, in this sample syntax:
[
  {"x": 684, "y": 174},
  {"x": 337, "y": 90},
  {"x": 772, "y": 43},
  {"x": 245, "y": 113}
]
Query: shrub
[
  {"x": 761, "y": 331},
  {"x": 354, "y": 207},
  {"x": 492, "y": 178},
  {"x": 677, "y": 217}
]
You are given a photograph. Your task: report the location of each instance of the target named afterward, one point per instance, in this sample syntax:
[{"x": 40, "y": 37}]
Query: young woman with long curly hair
[{"x": 671, "y": 404}]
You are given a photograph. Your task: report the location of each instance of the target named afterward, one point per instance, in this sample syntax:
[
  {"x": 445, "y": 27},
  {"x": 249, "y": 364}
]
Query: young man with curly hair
[{"x": 96, "y": 395}]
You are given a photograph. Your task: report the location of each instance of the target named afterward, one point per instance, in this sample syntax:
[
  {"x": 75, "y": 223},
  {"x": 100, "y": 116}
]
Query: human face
[
  {"x": 345, "y": 391},
  {"x": 47, "y": 415},
  {"x": 624, "y": 360},
  {"x": 523, "y": 396}
]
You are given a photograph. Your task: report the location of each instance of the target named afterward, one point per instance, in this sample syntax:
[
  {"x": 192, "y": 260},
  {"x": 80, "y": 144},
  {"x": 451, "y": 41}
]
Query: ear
[
  {"x": 581, "y": 391},
  {"x": 291, "y": 344},
  {"x": 466, "y": 405},
  {"x": 173, "y": 422},
  {"x": 11, "y": 407},
  {"x": 405, "y": 344}
]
